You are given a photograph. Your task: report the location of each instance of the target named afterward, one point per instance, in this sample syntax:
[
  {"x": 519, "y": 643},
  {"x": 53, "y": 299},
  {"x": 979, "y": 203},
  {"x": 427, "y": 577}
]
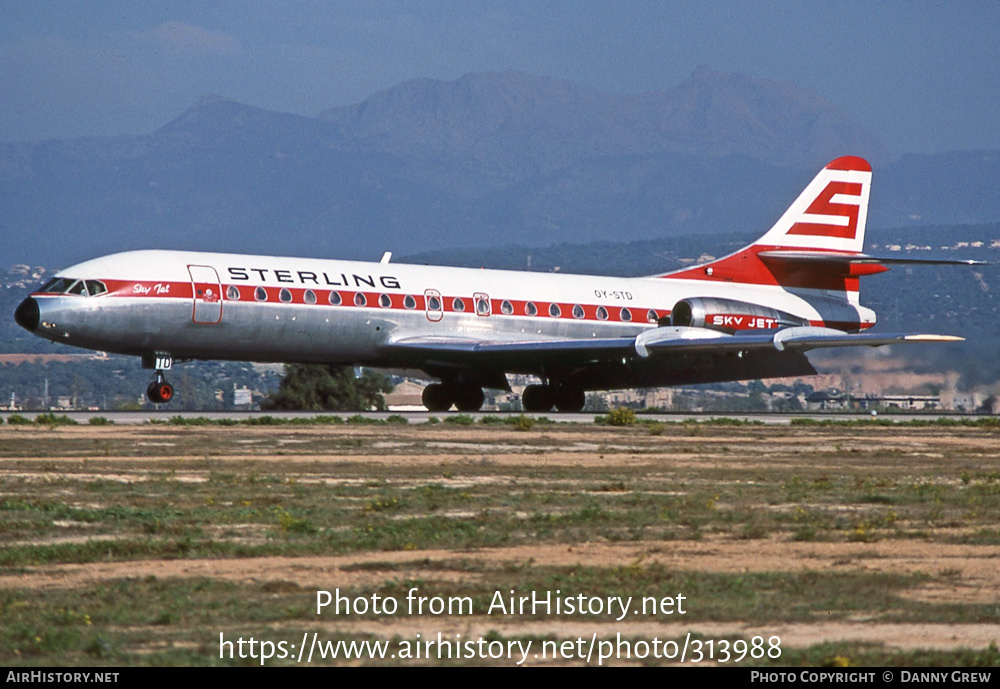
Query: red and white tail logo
[
  {"x": 828, "y": 216},
  {"x": 830, "y": 213}
]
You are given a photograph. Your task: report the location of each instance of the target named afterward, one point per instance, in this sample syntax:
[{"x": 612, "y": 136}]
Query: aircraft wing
[{"x": 656, "y": 341}]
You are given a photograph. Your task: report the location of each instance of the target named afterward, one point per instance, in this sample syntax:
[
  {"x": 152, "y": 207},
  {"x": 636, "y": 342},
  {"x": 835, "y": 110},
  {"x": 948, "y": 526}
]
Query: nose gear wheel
[{"x": 160, "y": 391}]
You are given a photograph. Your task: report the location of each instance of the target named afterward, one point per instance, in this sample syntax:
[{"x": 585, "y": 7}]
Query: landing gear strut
[{"x": 159, "y": 391}]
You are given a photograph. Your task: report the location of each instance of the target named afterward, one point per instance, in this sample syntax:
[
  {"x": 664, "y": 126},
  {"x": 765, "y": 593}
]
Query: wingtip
[{"x": 933, "y": 338}]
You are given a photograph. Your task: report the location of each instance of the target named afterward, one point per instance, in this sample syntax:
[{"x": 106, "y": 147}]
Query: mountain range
[{"x": 488, "y": 159}]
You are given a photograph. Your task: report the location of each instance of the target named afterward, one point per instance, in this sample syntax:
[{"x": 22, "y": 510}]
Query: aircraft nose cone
[{"x": 27, "y": 314}]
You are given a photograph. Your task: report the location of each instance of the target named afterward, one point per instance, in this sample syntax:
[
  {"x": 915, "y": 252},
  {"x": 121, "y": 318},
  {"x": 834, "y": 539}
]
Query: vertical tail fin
[
  {"x": 828, "y": 218},
  {"x": 830, "y": 214}
]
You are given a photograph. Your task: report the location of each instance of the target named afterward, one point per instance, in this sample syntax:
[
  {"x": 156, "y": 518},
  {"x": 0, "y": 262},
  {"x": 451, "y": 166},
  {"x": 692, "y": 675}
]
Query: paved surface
[{"x": 137, "y": 417}]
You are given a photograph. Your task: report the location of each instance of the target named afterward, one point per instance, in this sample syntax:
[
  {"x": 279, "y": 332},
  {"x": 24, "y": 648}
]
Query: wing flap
[{"x": 594, "y": 345}]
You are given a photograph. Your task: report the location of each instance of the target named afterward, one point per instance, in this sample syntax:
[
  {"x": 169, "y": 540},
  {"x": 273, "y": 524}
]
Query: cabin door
[{"x": 207, "y": 291}]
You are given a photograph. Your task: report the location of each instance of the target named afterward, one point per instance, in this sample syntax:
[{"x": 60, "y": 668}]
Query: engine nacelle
[{"x": 728, "y": 315}]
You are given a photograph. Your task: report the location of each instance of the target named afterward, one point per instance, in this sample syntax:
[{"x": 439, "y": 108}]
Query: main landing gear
[
  {"x": 539, "y": 398},
  {"x": 536, "y": 398},
  {"x": 441, "y": 396},
  {"x": 159, "y": 391}
]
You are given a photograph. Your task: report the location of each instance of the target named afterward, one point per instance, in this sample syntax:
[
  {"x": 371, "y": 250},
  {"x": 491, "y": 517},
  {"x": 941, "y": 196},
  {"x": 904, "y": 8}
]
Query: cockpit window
[
  {"x": 57, "y": 285},
  {"x": 72, "y": 286}
]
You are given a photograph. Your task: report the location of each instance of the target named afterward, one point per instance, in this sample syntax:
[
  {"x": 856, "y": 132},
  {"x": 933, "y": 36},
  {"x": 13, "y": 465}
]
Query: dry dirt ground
[{"x": 916, "y": 519}]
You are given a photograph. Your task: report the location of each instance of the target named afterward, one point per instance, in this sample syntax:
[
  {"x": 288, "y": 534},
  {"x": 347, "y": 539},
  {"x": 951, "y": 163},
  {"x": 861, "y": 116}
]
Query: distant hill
[
  {"x": 516, "y": 125},
  {"x": 485, "y": 160}
]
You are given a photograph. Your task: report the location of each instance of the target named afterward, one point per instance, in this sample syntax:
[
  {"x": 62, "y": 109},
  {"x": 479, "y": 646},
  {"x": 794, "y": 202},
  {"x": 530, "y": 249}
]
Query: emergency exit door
[{"x": 207, "y": 291}]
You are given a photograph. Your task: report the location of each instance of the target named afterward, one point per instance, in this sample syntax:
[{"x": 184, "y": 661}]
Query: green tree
[{"x": 334, "y": 388}]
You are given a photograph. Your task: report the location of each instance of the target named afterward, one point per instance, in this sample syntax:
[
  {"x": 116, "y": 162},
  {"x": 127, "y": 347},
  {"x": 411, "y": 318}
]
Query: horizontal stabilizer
[{"x": 834, "y": 257}]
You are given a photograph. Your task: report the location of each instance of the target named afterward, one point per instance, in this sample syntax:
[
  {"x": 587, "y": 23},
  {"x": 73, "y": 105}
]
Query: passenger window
[
  {"x": 651, "y": 316},
  {"x": 626, "y": 315},
  {"x": 285, "y": 296},
  {"x": 260, "y": 294},
  {"x": 409, "y": 302},
  {"x": 530, "y": 309},
  {"x": 384, "y": 301},
  {"x": 483, "y": 307},
  {"x": 458, "y": 304},
  {"x": 360, "y": 299},
  {"x": 506, "y": 308},
  {"x": 432, "y": 305},
  {"x": 335, "y": 299},
  {"x": 554, "y": 310},
  {"x": 309, "y": 297},
  {"x": 233, "y": 293},
  {"x": 578, "y": 311},
  {"x": 602, "y": 313}
]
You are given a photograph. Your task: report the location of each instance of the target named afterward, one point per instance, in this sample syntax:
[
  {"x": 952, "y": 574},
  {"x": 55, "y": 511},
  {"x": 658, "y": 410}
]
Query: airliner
[{"x": 749, "y": 315}]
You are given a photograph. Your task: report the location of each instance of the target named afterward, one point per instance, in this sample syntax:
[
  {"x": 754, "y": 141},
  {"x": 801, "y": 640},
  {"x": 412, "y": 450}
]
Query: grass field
[{"x": 840, "y": 544}]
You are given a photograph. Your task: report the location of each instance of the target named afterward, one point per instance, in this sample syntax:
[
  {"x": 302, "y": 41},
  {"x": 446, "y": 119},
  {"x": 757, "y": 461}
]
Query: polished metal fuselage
[{"x": 156, "y": 304}]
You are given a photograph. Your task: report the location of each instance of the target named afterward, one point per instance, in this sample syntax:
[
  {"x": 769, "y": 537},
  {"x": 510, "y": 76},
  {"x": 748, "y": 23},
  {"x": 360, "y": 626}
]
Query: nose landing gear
[{"x": 159, "y": 391}]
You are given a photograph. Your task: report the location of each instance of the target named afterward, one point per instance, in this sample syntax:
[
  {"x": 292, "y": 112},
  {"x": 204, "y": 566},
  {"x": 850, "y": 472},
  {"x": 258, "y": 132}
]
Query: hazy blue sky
[{"x": 924, "y": 76}]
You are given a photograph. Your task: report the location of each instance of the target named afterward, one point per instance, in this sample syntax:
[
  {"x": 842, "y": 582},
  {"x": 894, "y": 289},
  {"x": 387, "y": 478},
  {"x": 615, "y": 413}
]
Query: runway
[{"x": 418, "y": 417}]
